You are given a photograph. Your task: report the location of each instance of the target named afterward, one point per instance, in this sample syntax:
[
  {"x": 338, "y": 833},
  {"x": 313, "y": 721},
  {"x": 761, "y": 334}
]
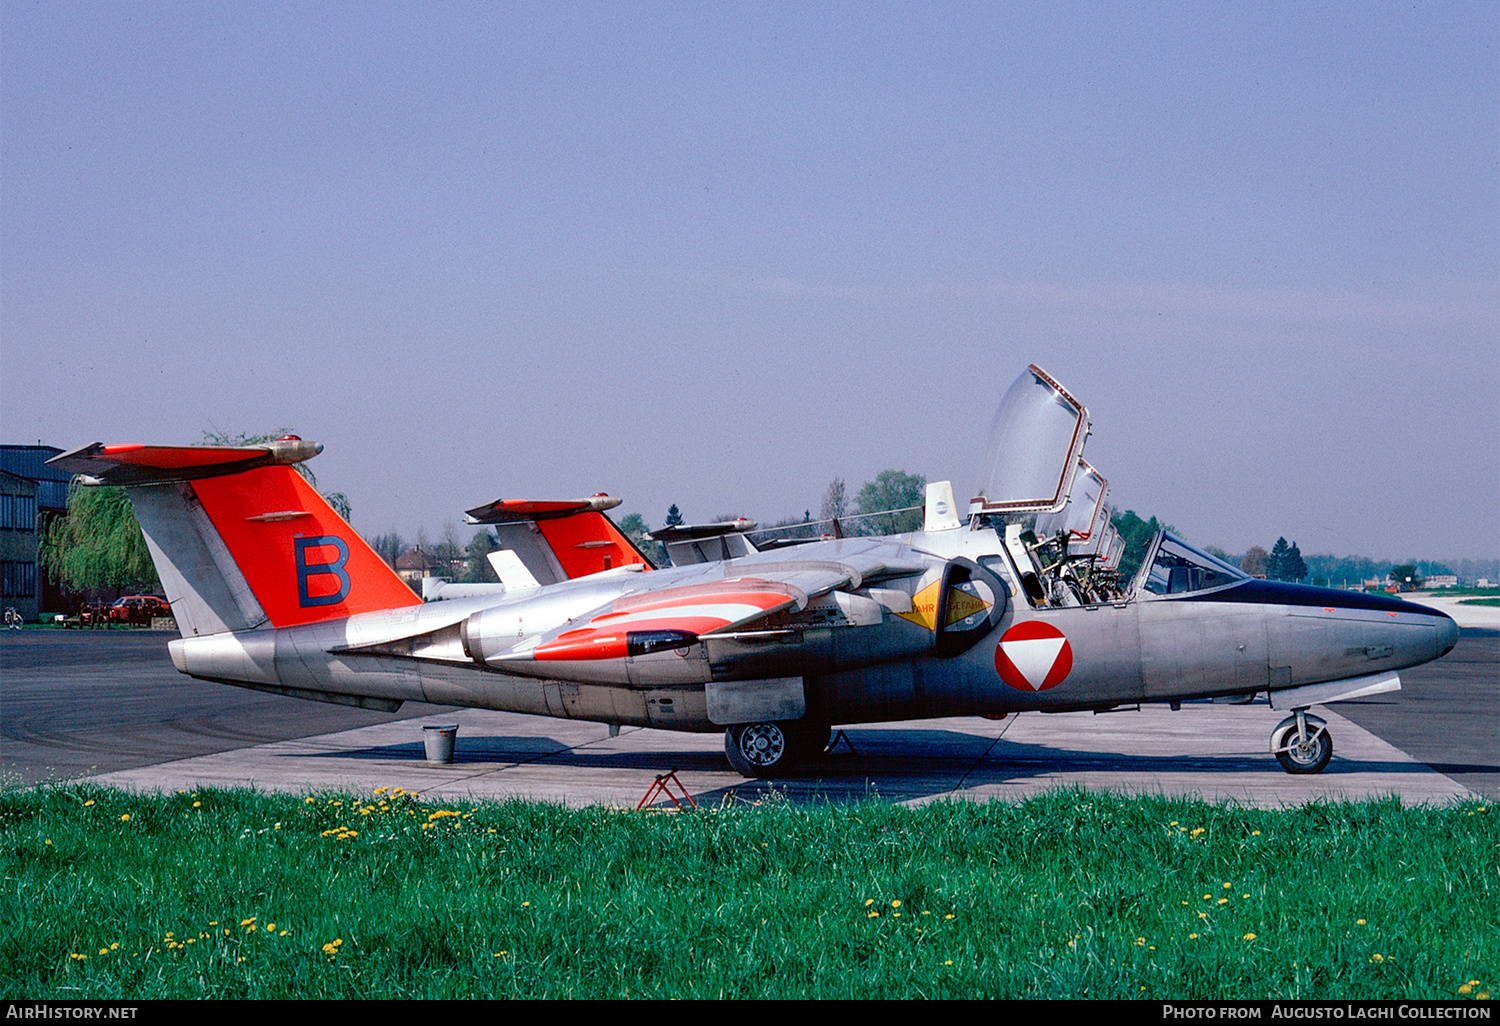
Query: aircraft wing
[{"x": 752, "y": 592}]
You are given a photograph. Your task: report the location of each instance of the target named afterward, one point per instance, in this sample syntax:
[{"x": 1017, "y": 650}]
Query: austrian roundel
[{"x": 1033, "y": 656}]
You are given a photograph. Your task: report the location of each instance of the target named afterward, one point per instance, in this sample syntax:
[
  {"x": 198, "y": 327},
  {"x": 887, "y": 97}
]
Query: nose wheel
[{"x": 1301, "y": 743}]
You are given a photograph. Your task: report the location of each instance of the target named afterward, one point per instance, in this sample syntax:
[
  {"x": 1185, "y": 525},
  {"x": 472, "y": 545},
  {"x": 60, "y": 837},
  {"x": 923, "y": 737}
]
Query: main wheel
[
  {"x": 1307, "y": 755},
  {"x": 761, "y": 749}
]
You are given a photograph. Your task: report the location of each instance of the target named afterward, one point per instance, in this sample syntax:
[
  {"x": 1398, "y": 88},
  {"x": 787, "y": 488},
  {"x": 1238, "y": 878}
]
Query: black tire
[
  {"x": 761, "y": 750},
  {"x": 1309, "y": 757}
]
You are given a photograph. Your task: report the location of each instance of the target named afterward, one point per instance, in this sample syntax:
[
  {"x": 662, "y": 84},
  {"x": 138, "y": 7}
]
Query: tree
[
  {"x": 98, "y": 544},
  {"x": 1137, "y": 534},
  {"x": 1254, "y": 562},
  {"x": 1276, "y": 562},
  {"x": 891, "y": 491},
  {"x": 674, "y": 516},
  {"x": 835, "y": 504},
  {"x": 477, "y": 569},
  {"x": 1406, "y": 577},
  {"x": 1292, "y": 567},
  {"x": 635, "y": 528},
  {"x": 389, "y": 547}
]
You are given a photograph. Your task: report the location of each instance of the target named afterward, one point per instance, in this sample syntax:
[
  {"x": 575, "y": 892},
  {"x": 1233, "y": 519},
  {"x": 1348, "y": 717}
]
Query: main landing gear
[
  {"x": 1301, "y": 743},
  {"x": 767, "y": 750}
]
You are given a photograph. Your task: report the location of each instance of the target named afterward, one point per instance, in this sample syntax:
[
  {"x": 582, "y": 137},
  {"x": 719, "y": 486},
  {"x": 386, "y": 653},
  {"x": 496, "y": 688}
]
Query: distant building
[
  {"x": 1441, "y": 581},
  {"x": 32, "y": 495},
  {"x": 415, "y": 564}
]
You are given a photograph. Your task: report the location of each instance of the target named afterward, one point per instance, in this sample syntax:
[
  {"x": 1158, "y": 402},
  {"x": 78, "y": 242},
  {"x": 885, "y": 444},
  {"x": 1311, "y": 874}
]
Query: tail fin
[
  {"x": 563, "y": 539},
  {"x": 239, "y": 538}
]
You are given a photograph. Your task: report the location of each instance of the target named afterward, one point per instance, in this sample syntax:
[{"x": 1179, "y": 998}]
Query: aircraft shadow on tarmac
[{"x": 884, "y": 764}]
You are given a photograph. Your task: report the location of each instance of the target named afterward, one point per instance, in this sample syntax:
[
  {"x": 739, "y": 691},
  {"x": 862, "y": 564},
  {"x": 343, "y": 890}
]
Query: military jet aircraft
[{"x": 1018, "y": 605}]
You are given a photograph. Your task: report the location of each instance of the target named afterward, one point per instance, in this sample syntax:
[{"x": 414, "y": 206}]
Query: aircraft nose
[
  {"x": 1447, "y": 631},
  {"x": 1445, "y": 626}
]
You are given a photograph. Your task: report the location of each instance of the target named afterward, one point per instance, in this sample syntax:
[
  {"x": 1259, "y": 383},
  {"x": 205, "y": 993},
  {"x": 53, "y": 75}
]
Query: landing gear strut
[{"x": 1301, "y": 743}]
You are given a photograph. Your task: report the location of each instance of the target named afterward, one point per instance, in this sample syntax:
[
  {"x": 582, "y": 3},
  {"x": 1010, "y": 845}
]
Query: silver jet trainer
[{"x": 1017, "y": 606}]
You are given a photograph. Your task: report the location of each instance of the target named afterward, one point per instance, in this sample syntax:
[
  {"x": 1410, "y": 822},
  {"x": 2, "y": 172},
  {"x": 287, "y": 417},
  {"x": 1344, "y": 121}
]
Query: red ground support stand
[{"x": 662, "y": 787}]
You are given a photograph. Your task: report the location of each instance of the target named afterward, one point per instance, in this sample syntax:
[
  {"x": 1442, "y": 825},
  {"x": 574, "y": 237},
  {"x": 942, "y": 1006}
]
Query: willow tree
[{"x": 98, "y": 544}]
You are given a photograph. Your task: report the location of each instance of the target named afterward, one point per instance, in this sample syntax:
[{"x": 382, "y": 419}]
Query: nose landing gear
[{"x": 1301, "y": 743}]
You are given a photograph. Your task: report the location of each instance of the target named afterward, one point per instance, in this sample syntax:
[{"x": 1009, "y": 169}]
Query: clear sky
[{"x": 719, "y": 254}]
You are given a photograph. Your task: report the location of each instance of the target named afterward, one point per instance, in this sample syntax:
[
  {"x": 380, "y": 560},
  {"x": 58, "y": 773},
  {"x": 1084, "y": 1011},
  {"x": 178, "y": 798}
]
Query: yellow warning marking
[{"x": 960, "y": 606}]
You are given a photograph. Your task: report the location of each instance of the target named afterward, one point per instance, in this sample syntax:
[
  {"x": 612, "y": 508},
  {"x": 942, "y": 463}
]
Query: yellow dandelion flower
[
  {"x": 873, "y": 915},
  {"x": 1359, "y": 922},
  {"x": 1244, "y": 895},
  {"x": 1206, "y": 897},
  {"x": 88, "y": 803},
  {"x": 525, "y": 904},
  {"x": 1466, "y": 989},
  {"x": 125, "y": 818},
  {"x": 247, "y": 922},
  {"x": 896, "y": 903},
  {"x": 1226, "y": 885},
  {"x": 1222, "y": 901},
  {"x": 1377, "y": 957},
  {"x": 949, "y": 962},
  {"x": 197, "y": 805},
  {"x": 308, "y": 801},
  {"x": 115, "y": 946},
  {"x": 103, "y": 951},
  {"x": 270, "y": 927},
  {"x": 869, "y": 902},
  {"x": 1249, "y": 936},
  {"x": 1255, "y": 833},
  {"x": 1192, "y": 936},
  {"x": 75, "y": 955}
]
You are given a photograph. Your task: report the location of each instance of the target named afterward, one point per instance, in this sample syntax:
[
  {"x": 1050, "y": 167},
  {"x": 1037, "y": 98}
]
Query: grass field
[{"x": 234, "y": 894}]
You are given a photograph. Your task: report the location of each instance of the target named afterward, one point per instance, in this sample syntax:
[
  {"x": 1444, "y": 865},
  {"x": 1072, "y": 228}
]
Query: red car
[{"x": 138, "y": 609}]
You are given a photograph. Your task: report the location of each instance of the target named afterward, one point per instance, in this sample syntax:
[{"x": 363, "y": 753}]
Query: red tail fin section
[
  {"x": 302, "y": 560},
  {"x": 579, "y": 537}
]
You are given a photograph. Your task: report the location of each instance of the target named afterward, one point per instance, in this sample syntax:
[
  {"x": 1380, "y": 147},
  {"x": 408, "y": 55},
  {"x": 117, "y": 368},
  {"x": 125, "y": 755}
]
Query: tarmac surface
[{"x": 109, "y": 706}]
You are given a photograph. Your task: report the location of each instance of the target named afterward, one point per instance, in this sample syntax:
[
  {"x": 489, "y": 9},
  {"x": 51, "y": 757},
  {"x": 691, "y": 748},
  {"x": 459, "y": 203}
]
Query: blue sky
[{"x": 717, "y": 255}]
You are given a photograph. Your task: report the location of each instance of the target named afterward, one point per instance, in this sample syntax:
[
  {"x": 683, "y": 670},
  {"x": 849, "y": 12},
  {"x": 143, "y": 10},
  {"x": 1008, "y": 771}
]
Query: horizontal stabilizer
[
  {"x": 156, "y": 464},
  {"x": 511, "y": 511},
  {"x": 684, "y": 532}
]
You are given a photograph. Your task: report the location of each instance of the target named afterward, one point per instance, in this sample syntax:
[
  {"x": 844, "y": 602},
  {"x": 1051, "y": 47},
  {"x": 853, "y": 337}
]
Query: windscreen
[{"x": 1178, "y": 568}]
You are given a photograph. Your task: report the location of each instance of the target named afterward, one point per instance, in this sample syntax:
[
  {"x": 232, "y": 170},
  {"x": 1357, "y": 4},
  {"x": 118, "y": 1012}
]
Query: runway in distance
[{"x": 1016, "y": 606}]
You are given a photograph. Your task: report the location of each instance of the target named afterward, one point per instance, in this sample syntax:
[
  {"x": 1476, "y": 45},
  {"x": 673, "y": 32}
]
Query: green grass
[{"x": 1069, "y": 895}]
